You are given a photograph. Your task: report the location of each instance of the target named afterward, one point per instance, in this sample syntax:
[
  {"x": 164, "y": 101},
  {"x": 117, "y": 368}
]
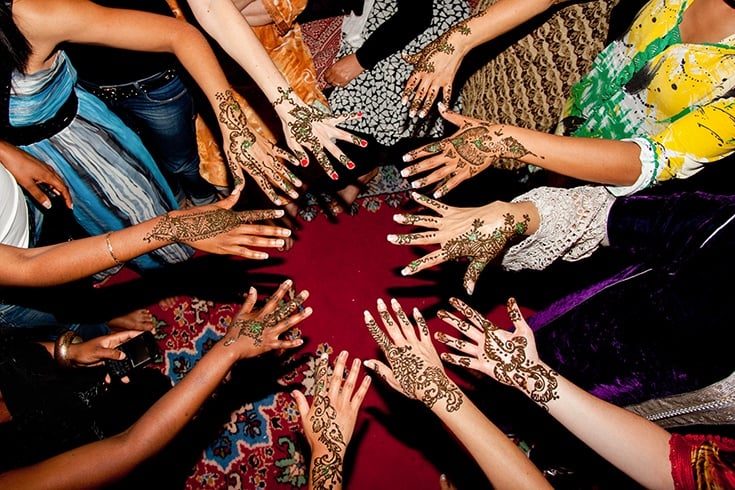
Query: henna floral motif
[
  {"x": 327, "y": 469},
  {"x": 513, "y": 368},
  {"x": 200, "y": 226}
]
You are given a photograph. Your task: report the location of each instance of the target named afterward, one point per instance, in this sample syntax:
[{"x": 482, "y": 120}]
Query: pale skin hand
[
  {"x": 29, "y": 172},
  {"x": 310, "y": 128},
  {"x": 330, "y": 421},
  {"x": 508, "y": 356},
  {"x": 478, "y": 234},
  {"x": 415, "y": 367},
  {"x": 257, "y": 332},
  {"x": 343, "y": 71},
  {"x": 470, "y": 150},
  {"x": 247, "y": 150}
]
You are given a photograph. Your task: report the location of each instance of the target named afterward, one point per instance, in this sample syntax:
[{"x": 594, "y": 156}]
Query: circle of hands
[
  {"x": 508, "y": 356},
  {"x": 415, "y": 367},
  {"x": 255, "y": 332},
  {"x": 330, "y": 420},
  {"x": 305, "y": 128},
  {"x": 456, "y": 158},
  {"x": 479, "y": 234}
]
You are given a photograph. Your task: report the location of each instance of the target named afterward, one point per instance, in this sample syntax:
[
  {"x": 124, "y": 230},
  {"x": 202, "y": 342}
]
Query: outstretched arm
[
  {"x": 436, "y": 65},
  {"x": 213, "y": 228},
  {"x": 305, "y": 127},
  {"x": 416, "y": 371},
  {"x": 477, "y": 145},
  {"x": 103, "y": 462},
  {"x": 511, "y": 358}
]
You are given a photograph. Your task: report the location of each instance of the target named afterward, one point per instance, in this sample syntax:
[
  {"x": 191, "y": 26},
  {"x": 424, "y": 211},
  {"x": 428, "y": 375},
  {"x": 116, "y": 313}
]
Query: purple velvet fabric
[{"x": 658, "y": 327}]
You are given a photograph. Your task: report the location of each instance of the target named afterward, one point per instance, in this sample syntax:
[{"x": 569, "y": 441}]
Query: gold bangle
[
  {"x": 61, "y": 347},
  {"x": 109, "y": 249}
]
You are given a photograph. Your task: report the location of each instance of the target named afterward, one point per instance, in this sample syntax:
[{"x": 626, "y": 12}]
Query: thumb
[
  {"x": 302, "y": 404},
  {"x": 229, "y": 201},
  {"x": 473, "y": 274},
  {"x": 451, "y": 116}
]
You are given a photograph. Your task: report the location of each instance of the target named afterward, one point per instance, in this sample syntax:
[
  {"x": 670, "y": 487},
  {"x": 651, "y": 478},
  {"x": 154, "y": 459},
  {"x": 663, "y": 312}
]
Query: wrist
[{"x": 63, "y": 350}]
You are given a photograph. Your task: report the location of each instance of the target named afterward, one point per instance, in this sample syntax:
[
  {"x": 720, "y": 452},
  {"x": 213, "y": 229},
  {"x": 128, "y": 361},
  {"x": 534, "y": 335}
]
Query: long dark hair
[{"x": 14, "y": 47}]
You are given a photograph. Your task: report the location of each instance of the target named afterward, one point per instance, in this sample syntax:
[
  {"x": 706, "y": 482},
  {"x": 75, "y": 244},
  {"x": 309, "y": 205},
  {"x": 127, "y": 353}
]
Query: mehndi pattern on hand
[{"x": 200, "y": 226}]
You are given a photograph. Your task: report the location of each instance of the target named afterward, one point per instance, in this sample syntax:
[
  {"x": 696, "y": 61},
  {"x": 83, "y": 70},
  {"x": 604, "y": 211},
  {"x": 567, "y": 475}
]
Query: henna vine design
[
  {"x": 482, "y": 247},
  {"x": 513, "y": 368},
  {"x": 422, "y": 62},
  {"x": 327, "y": 469},
  {"x": 302, "y": 131},
  {"x": 200, "y": 226},
  {"x": 240, "y": 137},
  {"x": 249, "y": 328},
  {"x": 426, "y": 383},
  {"x": 476, "y": 144}
]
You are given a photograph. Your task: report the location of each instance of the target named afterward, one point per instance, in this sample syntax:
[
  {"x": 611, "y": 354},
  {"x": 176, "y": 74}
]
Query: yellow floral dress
[{"x": 675, "y": 100}]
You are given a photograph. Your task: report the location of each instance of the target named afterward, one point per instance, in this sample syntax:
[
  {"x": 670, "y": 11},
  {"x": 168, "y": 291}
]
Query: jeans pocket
[{"x": 173, "y": 90}]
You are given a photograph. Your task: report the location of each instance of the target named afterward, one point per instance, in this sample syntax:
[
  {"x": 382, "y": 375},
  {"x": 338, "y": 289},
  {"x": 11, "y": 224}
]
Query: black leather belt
[
  {"x": 26, "y": 135},
  {"x": 115, "y": 93}
]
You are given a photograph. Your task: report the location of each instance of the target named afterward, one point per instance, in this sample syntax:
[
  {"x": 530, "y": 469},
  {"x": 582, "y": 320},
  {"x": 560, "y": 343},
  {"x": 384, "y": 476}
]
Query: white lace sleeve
[{"x": 573, "y": 225}]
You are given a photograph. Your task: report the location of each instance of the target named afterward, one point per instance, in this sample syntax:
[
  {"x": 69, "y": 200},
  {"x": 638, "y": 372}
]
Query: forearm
[
  {"x": 222, "y": 20},
  {"x": 500, "y": 459},
  {"x": 69, "y": 261},
  {"x": 595, "y": 160},
  {"x": 497, "y": 19},
  {"x": 116, "y": 456},
  {"x": 636, "y": 446}
]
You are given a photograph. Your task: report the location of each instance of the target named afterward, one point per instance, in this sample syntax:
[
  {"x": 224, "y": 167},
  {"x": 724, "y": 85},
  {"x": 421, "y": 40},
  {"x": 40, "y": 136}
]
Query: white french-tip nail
[
  {"x": 405, "y": 173},
  {"x": 391, "y": 238},
  {"x": 381, "y": 302},
  {"x": 415, "y": 184},
  {"x": 437, "y": 195},
  {"x": 405, "y": 158},
  {"x": 47, "y": 204},
  {"x": 404, "y": 272}
]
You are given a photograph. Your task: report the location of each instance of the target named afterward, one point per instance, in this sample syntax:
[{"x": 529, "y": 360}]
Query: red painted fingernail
[
  {"x": 304, "y": 162},
  {"x": 360, "y": 114},
  {"x": 350, "y": 165},
  {"x": 363, "y": 143},
  {"x": 334, "y": 176}
]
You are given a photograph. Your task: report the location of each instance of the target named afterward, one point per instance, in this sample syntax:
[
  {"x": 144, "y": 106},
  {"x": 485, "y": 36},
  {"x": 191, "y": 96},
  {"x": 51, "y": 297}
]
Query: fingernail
[
  {"x": 363, "y": 143},
  {"x": 262, "y": 255},
  {"x": 406, "y": 158},
  {"x": 404, "y": 100},
  {"x": 412, "y": 113},
  {"x": 392, "y": 238},
  {"x": 280, "y": 243},
  {"x": 304, "y": 162},
  {"x": 405, "y": 271},
  {"x": 47, "y": 204},
  {"x": 360, "y": 114},
  {"x": 405, "y": 172},
  {"x": 422, "y": 114},
  {"x": 334, "y": 176},
  {"x": 415, "y": 184},
  {"x": 350, "y": 165},
  {"x": 398, "y": 218},
  {"x": 437, "y": 195},
  {"x": 441, "y": 106}
]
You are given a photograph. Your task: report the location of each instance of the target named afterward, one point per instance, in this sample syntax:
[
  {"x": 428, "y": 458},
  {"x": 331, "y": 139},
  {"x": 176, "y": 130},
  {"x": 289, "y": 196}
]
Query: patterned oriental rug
[{"x": 254, "y": 436}]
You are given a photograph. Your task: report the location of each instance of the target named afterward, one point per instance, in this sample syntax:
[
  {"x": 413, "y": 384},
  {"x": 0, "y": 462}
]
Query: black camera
[{"x": 139, "y": 351}]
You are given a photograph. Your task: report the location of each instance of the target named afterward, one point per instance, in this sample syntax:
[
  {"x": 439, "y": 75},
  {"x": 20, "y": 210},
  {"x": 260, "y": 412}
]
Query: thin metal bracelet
[
  {"x": 109, "y": 249},
  {"x": 61, "y": 347}
]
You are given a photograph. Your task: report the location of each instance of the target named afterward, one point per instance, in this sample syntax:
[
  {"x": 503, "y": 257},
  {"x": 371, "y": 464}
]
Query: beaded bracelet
[{"x": 61, "y": 347}]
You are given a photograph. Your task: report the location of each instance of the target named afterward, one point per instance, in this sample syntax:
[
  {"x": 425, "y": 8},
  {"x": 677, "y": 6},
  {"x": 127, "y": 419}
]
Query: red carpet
[{"x": 346, "y": 264}]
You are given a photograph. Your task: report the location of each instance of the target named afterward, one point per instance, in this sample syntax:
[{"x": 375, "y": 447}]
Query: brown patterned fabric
[{"x": 529, "y": 72}]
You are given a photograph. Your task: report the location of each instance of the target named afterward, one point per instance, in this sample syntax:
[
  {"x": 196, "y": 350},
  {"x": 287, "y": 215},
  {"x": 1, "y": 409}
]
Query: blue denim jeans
[
  {"x": 45, "y": 324},
  {"x": 165, "y": 120}
]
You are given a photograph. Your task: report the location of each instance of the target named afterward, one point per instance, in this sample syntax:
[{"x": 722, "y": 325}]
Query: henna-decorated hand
[
  {"x": 216, "y": 228},
  {"x": 249, "y": 151},
  {"x": 310, "y": 128},
  {"x": 452, "y": 160},
  {"x": 29, "y": 172},
  {"x": 415, "y": 368},
  {"x": 434, "y": 69},
  {"x": 253, "y": 333},
  {"x": 330, "y": 421},
  {"x": 479, "y": 234},
  {"x": 509, "y": 357}
]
